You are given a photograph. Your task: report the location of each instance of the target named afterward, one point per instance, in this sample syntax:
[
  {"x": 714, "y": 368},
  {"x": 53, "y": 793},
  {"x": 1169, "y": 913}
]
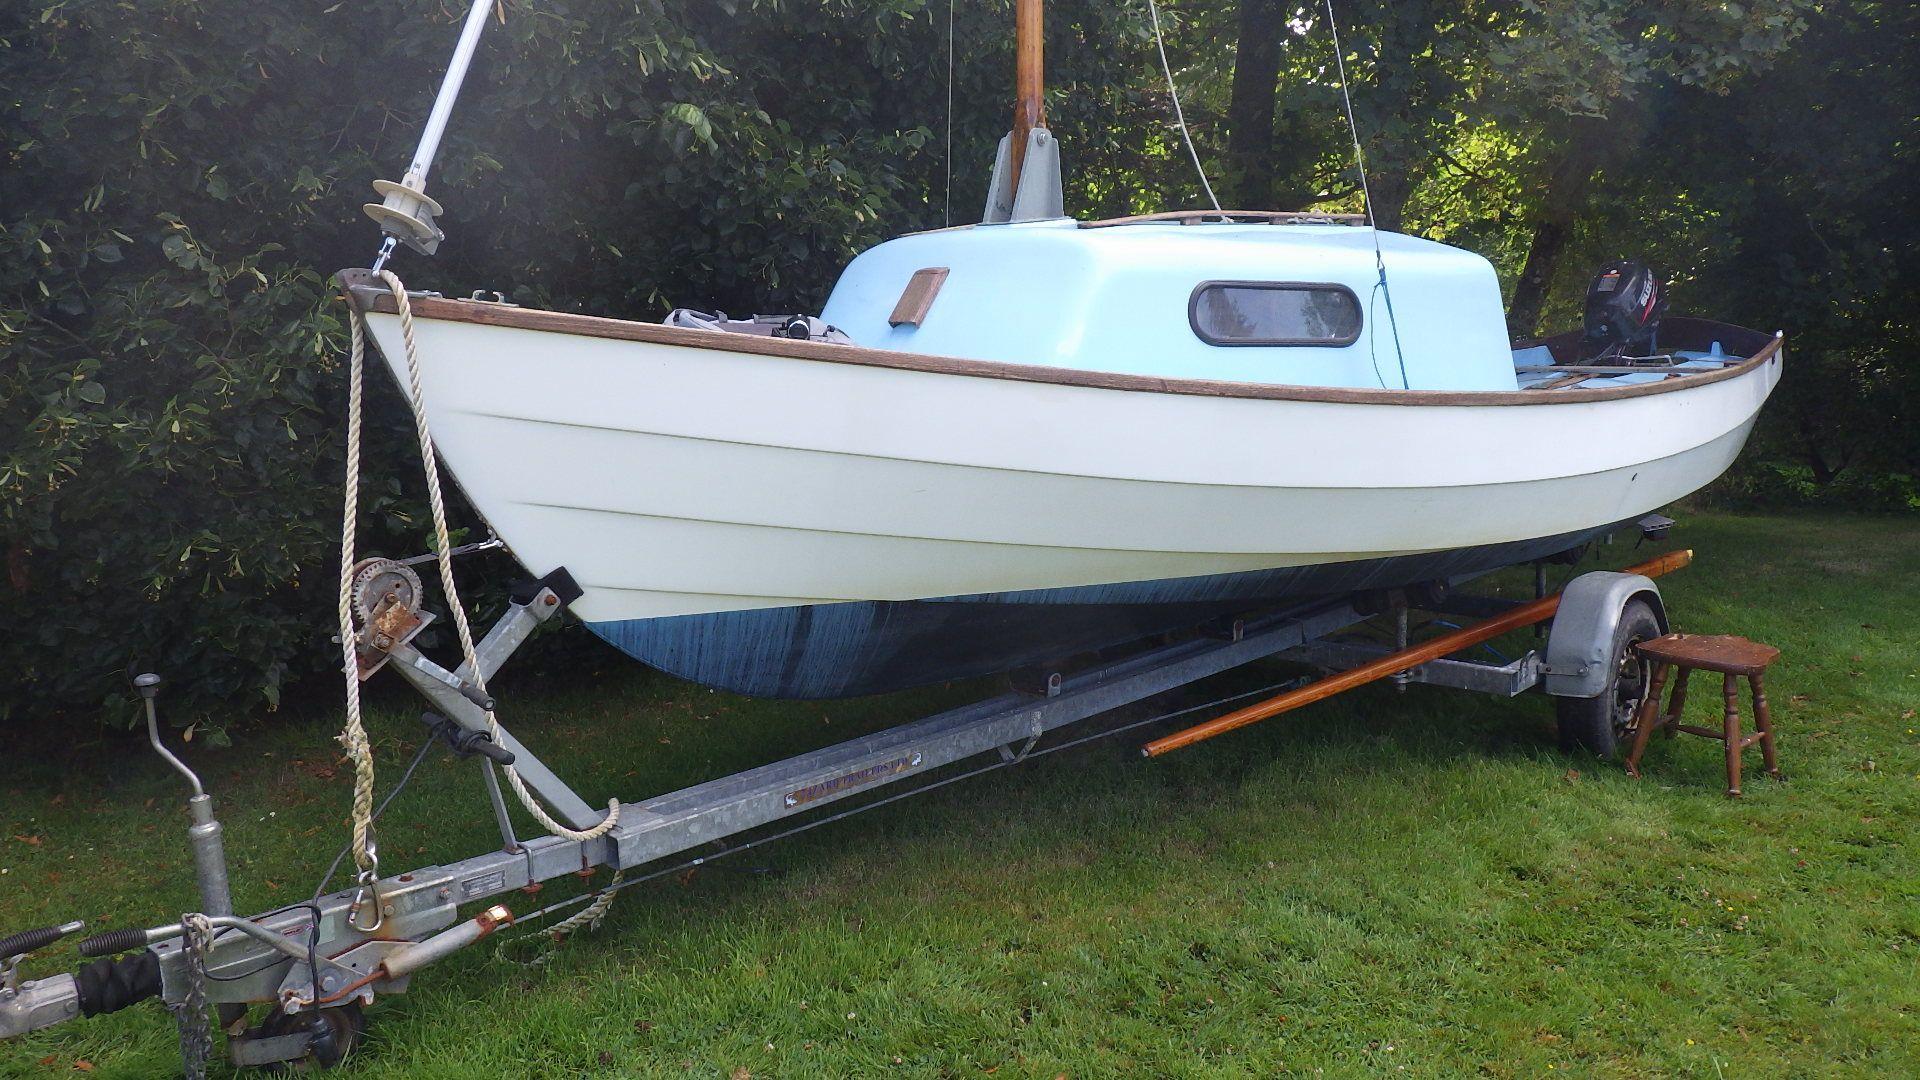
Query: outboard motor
[{"x": 1624, "y": 305}]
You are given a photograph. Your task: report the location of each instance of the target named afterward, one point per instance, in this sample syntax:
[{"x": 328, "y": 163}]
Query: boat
[{"x": 1005, "y": 444}]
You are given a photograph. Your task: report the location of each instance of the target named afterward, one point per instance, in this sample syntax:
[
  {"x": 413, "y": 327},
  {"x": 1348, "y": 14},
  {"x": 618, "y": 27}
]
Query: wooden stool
[{"x": 1732, "y": 657}]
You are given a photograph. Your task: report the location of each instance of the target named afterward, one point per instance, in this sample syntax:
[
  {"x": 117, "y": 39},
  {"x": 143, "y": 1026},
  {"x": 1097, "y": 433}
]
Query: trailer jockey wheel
[
  {"x": 334, "y": 1032},
  {"x": 1602, "y": 725}
]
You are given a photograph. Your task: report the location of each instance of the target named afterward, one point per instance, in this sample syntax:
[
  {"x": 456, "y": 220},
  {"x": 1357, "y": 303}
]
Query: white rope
[
  {"x": 443, "y": 550},
  {"x": 589, "y": 917},
  {"x": 950, "y": 4},
  {"x": 1179, "y": 115},
  {"x": 354, "y": 736}
]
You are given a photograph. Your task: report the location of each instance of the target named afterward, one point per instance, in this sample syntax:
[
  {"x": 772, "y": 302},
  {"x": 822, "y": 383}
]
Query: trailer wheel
[
  {"x": 346, "y": 1026},
  {"x": 1600, "y": 725}
]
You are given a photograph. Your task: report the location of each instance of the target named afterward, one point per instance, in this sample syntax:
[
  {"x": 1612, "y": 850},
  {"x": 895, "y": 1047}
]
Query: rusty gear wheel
[{"x": 377, "y": 581}]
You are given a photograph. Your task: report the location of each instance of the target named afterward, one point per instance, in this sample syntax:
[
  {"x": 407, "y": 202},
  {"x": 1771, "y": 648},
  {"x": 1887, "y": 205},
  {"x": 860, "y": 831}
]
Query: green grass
[{"x": 1414, "y": 885}]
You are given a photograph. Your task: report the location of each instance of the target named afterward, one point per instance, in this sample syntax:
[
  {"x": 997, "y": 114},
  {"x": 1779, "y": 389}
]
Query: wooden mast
[{"x": 1029, "y": 110}]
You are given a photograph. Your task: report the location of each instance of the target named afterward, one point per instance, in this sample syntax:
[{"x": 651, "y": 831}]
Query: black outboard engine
[{"x": 1624, "y": 305}]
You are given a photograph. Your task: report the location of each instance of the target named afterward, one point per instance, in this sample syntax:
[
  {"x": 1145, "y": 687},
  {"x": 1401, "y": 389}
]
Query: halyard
[{"x": 1410, "y": 885}]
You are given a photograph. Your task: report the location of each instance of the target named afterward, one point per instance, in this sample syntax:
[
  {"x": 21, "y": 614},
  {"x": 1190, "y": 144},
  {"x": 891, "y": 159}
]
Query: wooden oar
[{"x": 1513, "y": 619}]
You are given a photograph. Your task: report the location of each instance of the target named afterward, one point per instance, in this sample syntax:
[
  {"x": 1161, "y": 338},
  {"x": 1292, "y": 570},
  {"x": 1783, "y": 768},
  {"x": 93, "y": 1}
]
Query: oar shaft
[{"x": 1433, "y": 649}]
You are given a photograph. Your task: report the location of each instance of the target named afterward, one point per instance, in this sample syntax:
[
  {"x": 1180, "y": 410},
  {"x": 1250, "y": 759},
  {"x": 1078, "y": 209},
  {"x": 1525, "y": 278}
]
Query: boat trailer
[{"x": 316, "y": 964}]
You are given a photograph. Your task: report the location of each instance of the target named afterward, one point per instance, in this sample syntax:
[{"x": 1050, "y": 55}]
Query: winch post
[{"x": 436, "y": 684}]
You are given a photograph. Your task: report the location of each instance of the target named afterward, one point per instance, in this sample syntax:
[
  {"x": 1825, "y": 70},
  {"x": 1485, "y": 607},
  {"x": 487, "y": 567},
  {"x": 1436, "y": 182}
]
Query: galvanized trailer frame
[{"x": 413, "y": 918}]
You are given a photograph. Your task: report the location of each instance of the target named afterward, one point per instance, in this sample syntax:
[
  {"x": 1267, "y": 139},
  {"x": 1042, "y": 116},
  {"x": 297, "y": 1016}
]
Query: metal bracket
[
  {"x": 445, "y": 690},
  {"x": 1038, "y": 197},
  {"x": 1508, "y": 680},
  {"x": 1036, "y": 681}
]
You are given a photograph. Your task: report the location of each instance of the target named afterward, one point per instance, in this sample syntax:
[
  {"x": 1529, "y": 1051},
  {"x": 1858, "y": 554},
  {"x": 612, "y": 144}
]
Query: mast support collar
[
  {"x": 1034, "y": 193},
  {"x": 407, "y": 215}
]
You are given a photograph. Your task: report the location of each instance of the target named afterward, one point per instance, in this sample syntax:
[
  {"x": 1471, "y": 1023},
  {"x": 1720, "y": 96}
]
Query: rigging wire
[
  {"x": 1179, "y": 115},
  {"x": 1366, "y": 193},
  {"x": 418, "y": 756},
  {"x": 950, "y": 4}
]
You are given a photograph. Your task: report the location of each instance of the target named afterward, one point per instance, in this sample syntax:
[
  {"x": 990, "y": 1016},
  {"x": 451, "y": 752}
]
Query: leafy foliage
[{"x": 180, "y": 176}]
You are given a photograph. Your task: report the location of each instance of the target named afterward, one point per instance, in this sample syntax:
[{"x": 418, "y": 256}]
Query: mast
[
  {"x": 1026, "y": 170},
  {"x": 1029, "y": 107},
  {"x": 406, "y": 214}
]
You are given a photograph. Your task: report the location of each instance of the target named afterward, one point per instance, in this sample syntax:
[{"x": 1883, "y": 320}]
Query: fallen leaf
[
  {"x": 741, "y": 1073},
  {"x": 83, "y": 1065}
]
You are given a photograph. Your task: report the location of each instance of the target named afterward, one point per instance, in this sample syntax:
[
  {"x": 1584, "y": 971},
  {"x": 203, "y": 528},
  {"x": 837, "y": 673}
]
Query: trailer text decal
[{"x": 848, "y": 781}]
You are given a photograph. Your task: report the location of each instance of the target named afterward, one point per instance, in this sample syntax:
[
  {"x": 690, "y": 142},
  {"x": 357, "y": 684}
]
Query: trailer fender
[{"x": 1580, "y": 644}]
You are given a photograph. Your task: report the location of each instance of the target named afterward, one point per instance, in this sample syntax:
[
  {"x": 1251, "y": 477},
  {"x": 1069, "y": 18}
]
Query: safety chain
[{"x": 190, "y": 1014}]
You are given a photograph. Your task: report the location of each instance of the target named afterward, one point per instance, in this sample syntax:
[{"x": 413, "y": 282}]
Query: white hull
[{"x": 674, "y": 480}]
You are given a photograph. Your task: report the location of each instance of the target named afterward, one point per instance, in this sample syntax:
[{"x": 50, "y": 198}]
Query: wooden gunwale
[
  {"x": 1248, "y": 217},
  {"x": 366, "y": 295}
]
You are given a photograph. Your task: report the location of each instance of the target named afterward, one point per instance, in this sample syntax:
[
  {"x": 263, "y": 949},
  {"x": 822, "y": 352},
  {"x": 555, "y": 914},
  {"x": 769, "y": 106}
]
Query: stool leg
[
  {"x": 1645, "y": 715},
  {"x": 1678, "y": 704},
  {"x": 1763, "y": 720},
  {"x": 1730, "y": 690}
]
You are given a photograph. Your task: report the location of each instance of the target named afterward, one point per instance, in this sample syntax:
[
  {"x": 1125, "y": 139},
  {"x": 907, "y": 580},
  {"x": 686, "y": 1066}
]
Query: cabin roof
[{"x": 1120, "y": 299}]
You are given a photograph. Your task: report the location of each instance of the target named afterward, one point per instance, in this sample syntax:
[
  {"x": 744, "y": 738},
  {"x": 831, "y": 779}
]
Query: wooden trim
[
  {"x": 367, "y": 295},
  {"x": 1555, "y": 384},
  {"x": 1196, "y": 217},
  {"x": 918, "y": 296},
  {"x": 1619, "y": 369}
]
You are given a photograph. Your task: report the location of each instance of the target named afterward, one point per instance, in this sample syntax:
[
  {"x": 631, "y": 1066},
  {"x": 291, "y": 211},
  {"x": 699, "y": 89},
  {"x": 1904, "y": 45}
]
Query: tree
[{"x": 1586, "y": 78}]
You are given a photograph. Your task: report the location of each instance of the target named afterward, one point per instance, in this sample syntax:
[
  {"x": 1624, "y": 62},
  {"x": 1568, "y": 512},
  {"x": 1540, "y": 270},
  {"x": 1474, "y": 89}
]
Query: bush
[{"x": 180, "y": 177}]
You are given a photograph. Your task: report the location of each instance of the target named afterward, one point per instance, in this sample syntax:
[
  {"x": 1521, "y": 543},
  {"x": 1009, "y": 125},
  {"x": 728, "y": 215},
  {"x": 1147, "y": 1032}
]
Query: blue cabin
[{"x": 1286, "y": 301}]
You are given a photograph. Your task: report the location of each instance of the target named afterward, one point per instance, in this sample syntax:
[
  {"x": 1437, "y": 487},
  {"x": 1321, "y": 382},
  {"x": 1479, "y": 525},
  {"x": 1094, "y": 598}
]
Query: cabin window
[{"x": 1274, "y": 313}]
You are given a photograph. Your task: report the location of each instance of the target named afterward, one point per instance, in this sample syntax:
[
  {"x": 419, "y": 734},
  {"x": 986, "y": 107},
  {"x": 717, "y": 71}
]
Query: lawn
[{"x": 1401, "y": 885}]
